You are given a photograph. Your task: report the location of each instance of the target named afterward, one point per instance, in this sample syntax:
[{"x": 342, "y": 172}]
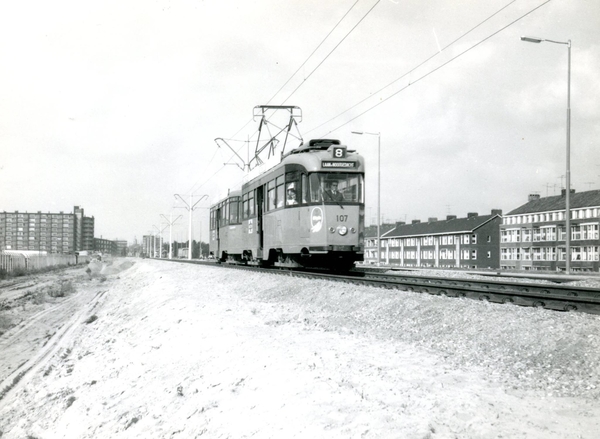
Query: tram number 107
[{"x": 342, "y": 218}]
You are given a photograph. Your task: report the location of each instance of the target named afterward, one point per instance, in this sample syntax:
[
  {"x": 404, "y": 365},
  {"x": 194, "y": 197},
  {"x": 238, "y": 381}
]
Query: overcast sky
[{"x": 114, "y": 105}]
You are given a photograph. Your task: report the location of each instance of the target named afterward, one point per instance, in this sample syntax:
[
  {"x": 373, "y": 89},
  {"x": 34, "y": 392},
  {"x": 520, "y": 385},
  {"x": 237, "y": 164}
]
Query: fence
[{"x": 28, "y": 262}]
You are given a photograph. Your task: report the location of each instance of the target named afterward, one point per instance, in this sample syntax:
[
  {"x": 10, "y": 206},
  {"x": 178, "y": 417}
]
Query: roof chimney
[
  {"x": 533, "y": 197},
  {"x": 432, "y": 220},
  {"x": 400, "y": 223},
  {"x": 472, "y": 215},
  {"x": 450, "y": 217},
  {"x": 497, "y": 212},
  {"x": 563, "y": 192},
  {"x": 416, "y": 221}
]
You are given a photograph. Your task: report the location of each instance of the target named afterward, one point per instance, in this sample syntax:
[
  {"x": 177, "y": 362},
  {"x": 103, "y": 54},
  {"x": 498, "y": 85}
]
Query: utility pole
[
  {"x": 190, "y": 207},
  {"x": 170, "y": 222},
  {"x": 159, "y": 241}
]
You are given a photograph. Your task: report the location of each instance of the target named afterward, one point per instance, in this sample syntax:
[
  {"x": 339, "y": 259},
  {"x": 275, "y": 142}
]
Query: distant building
[
  {"x": 51, "y": 232},
  {"x": 370, "y": 255},
  {"x": 104, "y": 246},
  {"x": 84, "y": 230},
  {"x": 533, "y": 236},
  {"x": 121, "y": 247},
  {"x": 471, "y": 242},
  {"x": 151, "y": 246}
]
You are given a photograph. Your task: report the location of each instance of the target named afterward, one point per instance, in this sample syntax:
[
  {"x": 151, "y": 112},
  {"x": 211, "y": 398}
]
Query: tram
[{"x": 307, "y": 211}]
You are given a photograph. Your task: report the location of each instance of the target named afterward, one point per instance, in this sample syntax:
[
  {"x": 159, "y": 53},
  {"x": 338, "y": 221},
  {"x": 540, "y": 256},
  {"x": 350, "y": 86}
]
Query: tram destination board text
[{"x": 334, "y": 164}]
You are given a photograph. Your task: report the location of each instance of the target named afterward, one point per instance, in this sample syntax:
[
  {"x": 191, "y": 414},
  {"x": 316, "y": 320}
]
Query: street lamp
[
  {"x": 568, "y": 172},
  {"x": 190, "y": 207},
  {"x": 360, "y": 133}
]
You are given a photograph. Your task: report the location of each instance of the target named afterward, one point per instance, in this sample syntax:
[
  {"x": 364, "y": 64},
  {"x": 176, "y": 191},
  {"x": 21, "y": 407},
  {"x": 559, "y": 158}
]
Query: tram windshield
[{"x": 336, "y": 187}]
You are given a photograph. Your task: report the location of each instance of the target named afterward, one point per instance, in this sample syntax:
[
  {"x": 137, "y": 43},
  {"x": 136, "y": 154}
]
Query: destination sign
[{"x": 332, "y": 164}]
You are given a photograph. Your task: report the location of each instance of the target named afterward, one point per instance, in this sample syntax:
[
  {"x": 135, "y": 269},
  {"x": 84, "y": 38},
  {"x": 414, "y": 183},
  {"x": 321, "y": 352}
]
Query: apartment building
[
  {"x": 471, "y": 242},
  {"x": 370, "y": 252},
  {"x": 533, "y": 236},
  {"x": 151, "y": 245},
  {"x": 46, "y": 232},
  {"x": 121, "y": 247}
]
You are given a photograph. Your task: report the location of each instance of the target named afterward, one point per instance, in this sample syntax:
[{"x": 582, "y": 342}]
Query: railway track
[{"x": 558, "y": 297}]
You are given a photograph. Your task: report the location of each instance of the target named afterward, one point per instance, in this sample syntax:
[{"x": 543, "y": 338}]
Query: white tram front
[{"x": 308, "y": 211}]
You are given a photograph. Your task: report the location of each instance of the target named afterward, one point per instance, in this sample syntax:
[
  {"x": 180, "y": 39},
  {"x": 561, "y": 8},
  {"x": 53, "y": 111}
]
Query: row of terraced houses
[
  {"x": 68, "y": 233},
  {"x": 530, "y": 237}
]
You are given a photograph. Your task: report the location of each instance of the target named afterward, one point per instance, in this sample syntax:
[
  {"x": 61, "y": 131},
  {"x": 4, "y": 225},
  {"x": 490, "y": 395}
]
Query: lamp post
[
  {"x": 190, "y": 207},
  {"x": 360, "y": 133},
  {"x": 568, "y": 172}
]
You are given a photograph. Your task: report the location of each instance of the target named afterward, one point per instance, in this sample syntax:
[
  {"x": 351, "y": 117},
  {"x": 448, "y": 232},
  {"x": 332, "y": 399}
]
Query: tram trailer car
[{"x": 308, "y": 211}]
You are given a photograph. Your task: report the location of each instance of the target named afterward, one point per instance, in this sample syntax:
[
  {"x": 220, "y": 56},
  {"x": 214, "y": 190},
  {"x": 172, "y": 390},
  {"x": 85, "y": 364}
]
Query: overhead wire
[
  {"x": 304, "y": 63},
  {"x": 332, "y": 50},
  {"x": 293, "y": 74},
  {"x": 414, "y": 68},
  {"x": 313, "y": 52},
  {"x": 437, "y": 68},
  {"x": 383, "y": 88}
]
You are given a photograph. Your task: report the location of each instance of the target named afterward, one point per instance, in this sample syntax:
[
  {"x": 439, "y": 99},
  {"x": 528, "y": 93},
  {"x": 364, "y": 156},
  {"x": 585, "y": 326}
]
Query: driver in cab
[{"x": 333, "y": 194}]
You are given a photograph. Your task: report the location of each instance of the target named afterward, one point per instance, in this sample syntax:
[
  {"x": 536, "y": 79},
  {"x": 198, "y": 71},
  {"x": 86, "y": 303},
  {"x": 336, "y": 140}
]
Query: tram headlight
[{"x": 342, "y": 230}]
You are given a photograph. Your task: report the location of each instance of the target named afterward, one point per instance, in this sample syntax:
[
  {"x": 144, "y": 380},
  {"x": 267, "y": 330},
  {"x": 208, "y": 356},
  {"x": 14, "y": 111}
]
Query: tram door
[
  {"x": 217, "y": 232},
  {"x": 259, "y": 218}
]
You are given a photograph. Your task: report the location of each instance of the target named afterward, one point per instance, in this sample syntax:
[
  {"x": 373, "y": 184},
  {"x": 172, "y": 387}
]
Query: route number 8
[{"x": 339, "y": 152}]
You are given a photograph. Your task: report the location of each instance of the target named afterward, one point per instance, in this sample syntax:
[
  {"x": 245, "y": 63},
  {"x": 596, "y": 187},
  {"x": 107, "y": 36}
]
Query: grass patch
[{"x": 62, "y": 290}]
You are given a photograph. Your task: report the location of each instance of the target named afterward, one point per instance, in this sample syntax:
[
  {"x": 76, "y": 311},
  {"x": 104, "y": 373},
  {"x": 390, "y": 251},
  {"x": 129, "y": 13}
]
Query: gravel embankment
[{"x": 523, "y": 348}]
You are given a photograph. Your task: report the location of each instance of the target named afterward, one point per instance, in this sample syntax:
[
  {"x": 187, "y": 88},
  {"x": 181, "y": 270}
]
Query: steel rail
[{"x": 543, "y": 295}]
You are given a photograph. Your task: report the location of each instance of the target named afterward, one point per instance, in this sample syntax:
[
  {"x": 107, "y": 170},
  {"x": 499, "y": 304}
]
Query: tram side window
[
  {"x": 251, "y": 204},
  {"x": 224, "y": 214},
  {"x": 293, "y": 189},
  {"x": 245, "y": 206},
  {"x": 271, "y": 203},
  {"x": 280, "y": 182},
  {"x": 248, "y": 206},
  {"x": 304, "y": 188},
  {"x": 234, "y": 204}
]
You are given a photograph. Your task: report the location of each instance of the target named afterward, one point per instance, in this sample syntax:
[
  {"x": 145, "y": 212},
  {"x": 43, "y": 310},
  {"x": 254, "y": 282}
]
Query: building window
[
  {"x": 589, "y": 231},
  {"x": 547, "y": 233},
  {"x": 575, "y": 233}
]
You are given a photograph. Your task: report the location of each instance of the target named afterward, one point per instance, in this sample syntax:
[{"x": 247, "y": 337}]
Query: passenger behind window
[{"x": 291, "y": 195}]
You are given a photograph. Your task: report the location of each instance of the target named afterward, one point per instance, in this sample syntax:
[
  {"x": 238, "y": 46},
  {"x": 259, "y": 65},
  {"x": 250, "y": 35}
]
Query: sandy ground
[{"x": 149, "y": 349}]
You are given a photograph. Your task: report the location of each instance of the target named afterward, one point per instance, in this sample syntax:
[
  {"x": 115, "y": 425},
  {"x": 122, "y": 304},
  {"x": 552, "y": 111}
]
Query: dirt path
[{"x": 42, "y": 310}]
